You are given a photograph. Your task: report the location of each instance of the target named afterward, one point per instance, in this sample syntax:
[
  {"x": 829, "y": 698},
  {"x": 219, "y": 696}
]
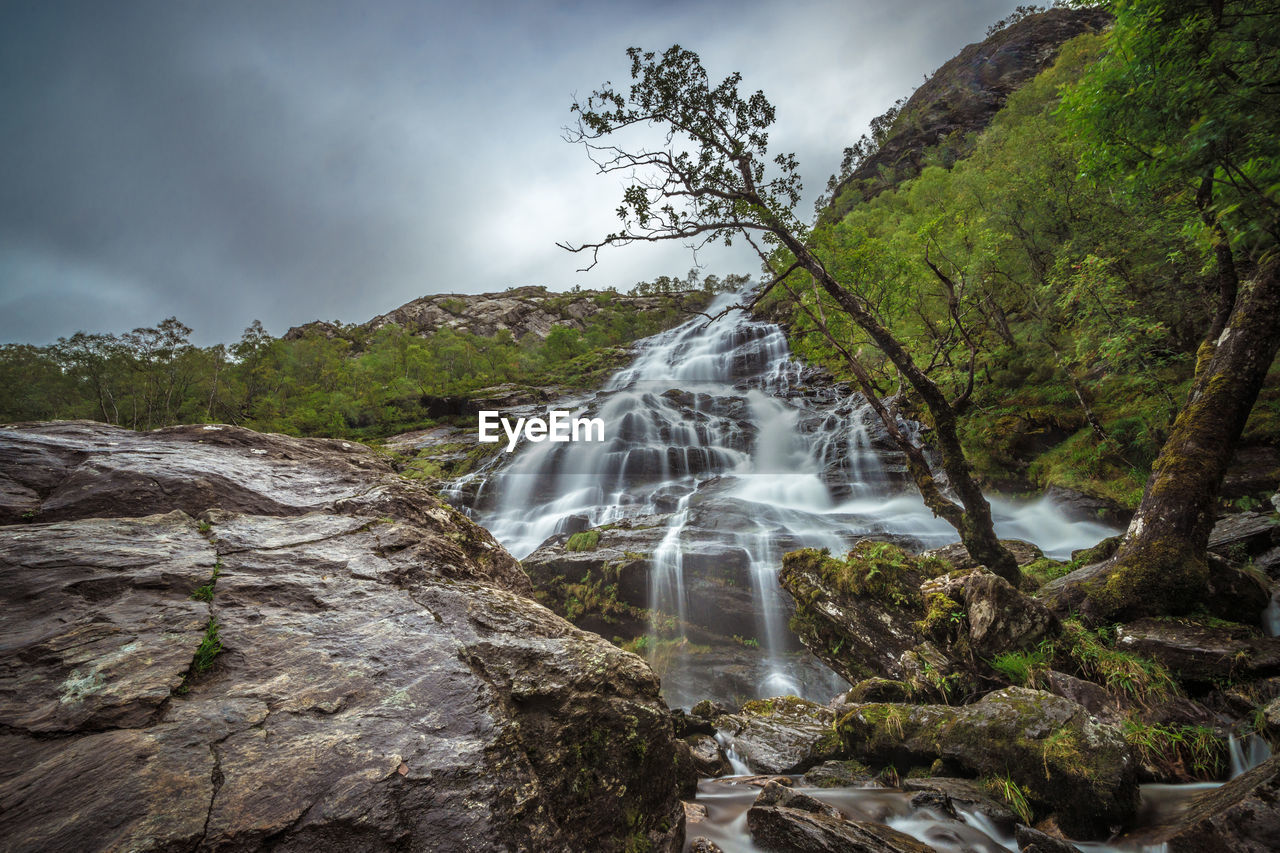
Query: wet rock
[
  {"x": 687, "y": 773},
  {"x": 1242, "y": 535},
  {"x": 964, "y": 794},
  {"x": 1068, "y": 762},
  {"x": 840, "y": 774},
  {"x": 708, "y": 758},
  {"x": 958, "y": 557},
  {"x": 704, "y": 845},
  {"x": 1001, "y": 618},
  {"x": 860, "y": 634},
  {"x": 878, "y": 690},
  {"x": 1202, "y": 654},
  {"x": 379, "y": 684},
  {"x": 784, "y": 735},
  {"x": 1081, "y": 507},
  {"x": 694, "y": 812},
  {"x": 690, "y": 724},
  {"x": 1243, "y": 815},
  {"x": 1034, "y": 841},
  {"x": 777, "y": 827},
  {"x": 784, "y": 796}
]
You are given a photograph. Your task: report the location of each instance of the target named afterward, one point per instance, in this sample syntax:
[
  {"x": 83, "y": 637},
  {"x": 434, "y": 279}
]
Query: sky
[{"x": 294, "y": 160}]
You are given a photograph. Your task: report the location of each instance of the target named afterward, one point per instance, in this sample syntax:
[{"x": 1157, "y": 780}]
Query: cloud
[{"x": 297, "y": 160}]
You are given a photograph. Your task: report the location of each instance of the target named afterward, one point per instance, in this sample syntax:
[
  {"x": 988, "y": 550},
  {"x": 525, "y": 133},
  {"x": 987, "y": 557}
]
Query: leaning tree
[
  {"x": 710, "y": 179},
  {"x": 1187, "y": 98}
]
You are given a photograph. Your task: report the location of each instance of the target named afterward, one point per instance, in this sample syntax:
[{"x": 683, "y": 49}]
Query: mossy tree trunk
[{"x": 1161, "y": 565}]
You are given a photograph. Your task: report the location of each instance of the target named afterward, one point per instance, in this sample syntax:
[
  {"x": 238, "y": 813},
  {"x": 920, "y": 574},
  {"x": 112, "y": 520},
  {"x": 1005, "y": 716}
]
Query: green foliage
[
  {"x": 1094, "y": 655},
  {"x": 1179, "y": 750},
  {"x": 334, "y": 380},
  {"x": 1011, "y": 794},
  {"x": 585, "y": 540},
  {"x": 1024, "y": 668},
  {"x": 875, "y": 569}
]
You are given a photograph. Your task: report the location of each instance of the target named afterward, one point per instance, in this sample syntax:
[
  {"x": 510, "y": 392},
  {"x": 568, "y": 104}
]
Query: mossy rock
[{"x": 1069, "y": 764}]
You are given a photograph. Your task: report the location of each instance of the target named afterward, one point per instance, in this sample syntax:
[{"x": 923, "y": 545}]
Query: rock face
[
  {"x": 1069, "y": 763},
  {"x": 519, "y": 310},
  {"x": 963, "y": 95},
  {"x": 380, "y": 680},
  {"x": 1243, "y": 815}
]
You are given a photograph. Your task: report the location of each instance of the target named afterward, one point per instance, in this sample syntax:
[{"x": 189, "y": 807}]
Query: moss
[
  {"x": 878, "y": 570},
  {"x": 1153, "y": 577},
  {"x": 942, "y": 614},
  {"x": 585, "y": 540}
]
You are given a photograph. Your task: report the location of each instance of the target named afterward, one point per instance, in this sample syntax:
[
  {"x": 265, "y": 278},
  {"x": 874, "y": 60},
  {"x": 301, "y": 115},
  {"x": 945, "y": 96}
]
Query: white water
[{"x": 709, "y": 429}]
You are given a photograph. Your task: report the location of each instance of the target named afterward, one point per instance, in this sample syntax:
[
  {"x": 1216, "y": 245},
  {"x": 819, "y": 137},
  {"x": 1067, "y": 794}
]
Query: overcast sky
[{"x": 289, "y": 161}]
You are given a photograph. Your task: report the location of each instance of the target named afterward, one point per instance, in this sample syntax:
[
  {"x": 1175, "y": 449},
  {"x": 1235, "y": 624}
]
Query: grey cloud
[{"x": 293, "y": 160}]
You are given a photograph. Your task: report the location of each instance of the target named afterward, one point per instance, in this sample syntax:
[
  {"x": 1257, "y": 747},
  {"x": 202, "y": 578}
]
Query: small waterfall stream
[{"x": 716, "y": 439}]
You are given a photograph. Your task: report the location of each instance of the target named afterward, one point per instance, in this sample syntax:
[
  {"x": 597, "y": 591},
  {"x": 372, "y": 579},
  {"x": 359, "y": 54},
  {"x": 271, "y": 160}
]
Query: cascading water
[{"x": 715, "y": 441}]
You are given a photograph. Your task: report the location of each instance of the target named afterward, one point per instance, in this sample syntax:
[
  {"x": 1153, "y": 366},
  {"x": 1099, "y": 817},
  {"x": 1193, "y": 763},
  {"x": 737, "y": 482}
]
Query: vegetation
[{"x": 335, "y": 380}]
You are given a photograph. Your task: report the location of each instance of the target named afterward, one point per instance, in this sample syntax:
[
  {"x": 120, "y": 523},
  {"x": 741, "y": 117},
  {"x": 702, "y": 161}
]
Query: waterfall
[{"x": 716, "y": 437}]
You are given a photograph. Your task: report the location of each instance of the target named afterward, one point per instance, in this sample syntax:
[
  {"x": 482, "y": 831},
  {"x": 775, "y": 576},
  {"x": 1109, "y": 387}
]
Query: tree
[
  {"x": 1187, "y": 100},
  {"x": 724, "y": 186}
]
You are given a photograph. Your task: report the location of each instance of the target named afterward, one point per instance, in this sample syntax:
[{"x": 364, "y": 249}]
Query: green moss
[
  {"x": 1153, "y": 577},
  {"x": 878, "y": 570},
  {"x": 942, "y": 615},
  {"x": 585, "y": 540}
]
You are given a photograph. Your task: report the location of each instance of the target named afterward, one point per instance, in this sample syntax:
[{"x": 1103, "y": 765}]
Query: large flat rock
[{"x": 382, "y": 684}]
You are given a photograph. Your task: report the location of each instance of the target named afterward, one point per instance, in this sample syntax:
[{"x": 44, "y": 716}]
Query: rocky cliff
[
  {"x": 961, "y": 97},
  {"x": 521, "y": 311},
  {"x": 218, "y": 639}
]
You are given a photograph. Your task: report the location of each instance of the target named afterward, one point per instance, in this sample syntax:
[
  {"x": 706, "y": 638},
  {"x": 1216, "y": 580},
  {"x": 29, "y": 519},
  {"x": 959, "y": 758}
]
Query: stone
[
  {"x": 1202, "y": 654},
  {"x": 708, "y": 759},
  {"x": 958, "y": 557},
  {"x": 840, "y": 774},
  {"x": 382, "y": 682},
  {"x": 1069, "y": 763},
  {"x": 1001, "y": 618},
  {"x": 1241, "y": 535},
  {"x": 963, "y": 795},
  {"x": 1034, "y": 841},
  {"x": 775, "y": 827},
  {"x": 783, "y": 796},
  {"x": 784, "y": 735},
  {"x": 1241, "y": 816},
  {"x": 704, "y": 845}
]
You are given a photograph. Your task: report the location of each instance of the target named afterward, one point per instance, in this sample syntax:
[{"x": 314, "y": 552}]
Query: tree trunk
[{"x": 1161, "y": 566}]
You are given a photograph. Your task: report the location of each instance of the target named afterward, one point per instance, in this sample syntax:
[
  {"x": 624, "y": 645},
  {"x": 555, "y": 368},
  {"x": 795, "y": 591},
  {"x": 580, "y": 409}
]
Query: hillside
[
  {"x": 520, "y": 311},
  {"x": 937, "y": 122}
]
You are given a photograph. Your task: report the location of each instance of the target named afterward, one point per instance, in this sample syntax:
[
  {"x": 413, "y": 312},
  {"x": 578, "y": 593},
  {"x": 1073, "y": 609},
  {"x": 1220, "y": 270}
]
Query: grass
[
  {"x": 1095, "y": 656},
  {"x": 1024, "y": 668},
  {"x": 205, "y": 592},
  {"x": 1012, "y": 795},
  {"x": 585, "y": 540},
  {"x": 1196, "y": 750}
]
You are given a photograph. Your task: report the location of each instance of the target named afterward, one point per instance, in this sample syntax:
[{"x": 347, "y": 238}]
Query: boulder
[
  {"x": 1242, "y": 816},
  {"x": 958, "y": 556},
  {"x": 1202, "y": 653},
  {"x": 963, "y": 795},
  {"x": 1034, "y": 841},
  {"x": 328, "y": 659},
  {"x": 704, "y": 845},
  {"x": 1000, "y": 617},
  {"x": 708, "y": 758},
  {"x": 784, "y": 796},
  {"x": 1242, "y": 535},
  {"x": 1068, "y": 762},
  {"x": 776, "y": 825},
  {"x": 858, "y": 615},
  {"x": 840, "y": 774},
  {"x": 784, "y": 735}
]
